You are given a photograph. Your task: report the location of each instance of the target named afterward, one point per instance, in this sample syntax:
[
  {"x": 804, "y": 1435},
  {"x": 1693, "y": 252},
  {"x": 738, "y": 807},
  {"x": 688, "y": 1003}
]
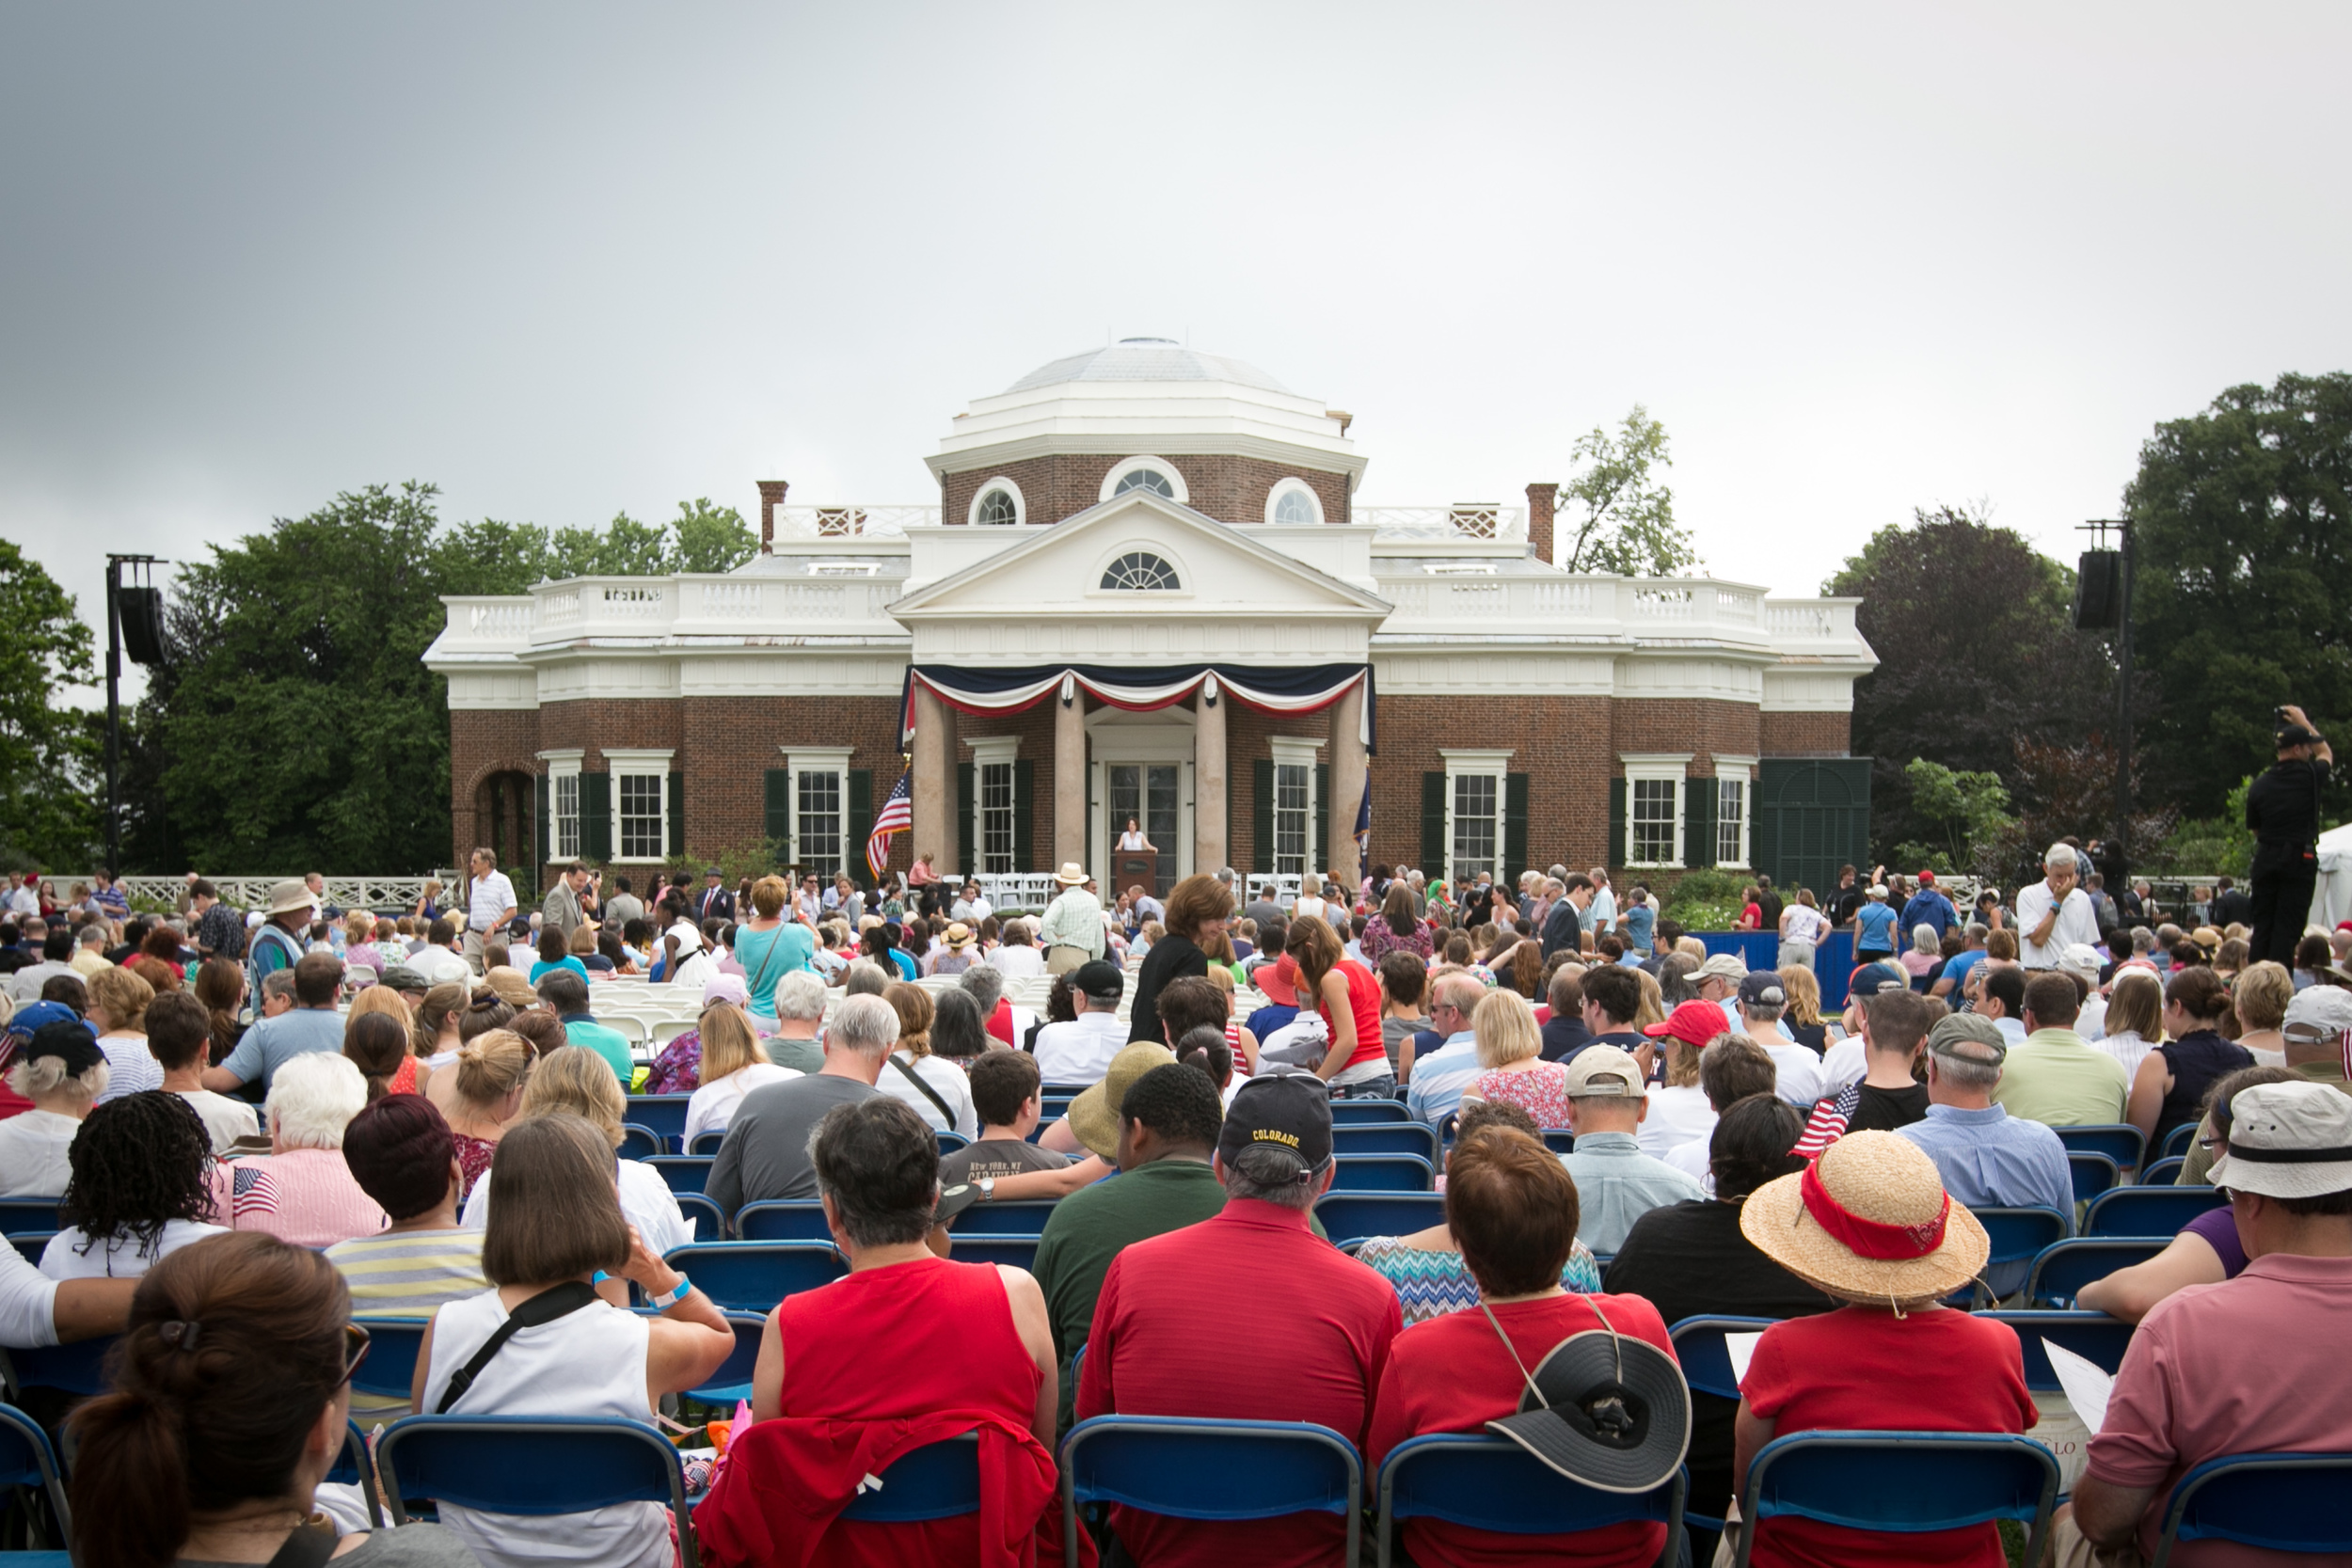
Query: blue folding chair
[
  {"x": 30, "y": 1213},
  {"x": 2162, "y": 1173},
  {"x": 1018, "y": 1252},
  {"x": 30, "y": 1244},
  {"x": 2093, "y": 1336},
  {"x": 2280, "y": 1501},
  {"x": 78, "y": 1368},
  {"x": 1352, "y": 1216},
  {"x": 1559, "y": 1140},
  {"x": 753, "y": 1276},
  {"x": 949, "y": 1142},
  {"x": 1357, "y": 1113},
  {"x": 1707, "y": 1368},
  {"x": 1026, "y": 1218},
  {"x": 393, "y": 1344},
  {"x": 779, "y": 1220},
  {"x": 28, "y": 1460},
  {"x": 639, "y": 1143},
  {"x": 2120, "y": 1141},
  {"x": 1491, "y": 1484},
  {"x": 533, "y": 1466},
  {"x": 1386, "y": 1137},
  {"x": 709, "y": 1222},
  {"x": 1906, "y": 1482},
  {"x": 352, "y": 1467},
  {"x": 2178, "y": 1141},
  {"x": 2094, "y": 1173},
  {"x": 1043, "y": 1121},
  {"x": 938, "y": 1480},
  {"x": 662, "y": 1115},
  {"x": 1189, "y": 1469},
  {"x": 1063, "y": 1092},
  {"x": 706, "y": 1143},
  {"x": 2017, "y": 1236},
  {"x": 732, "y": 1382},
  {"x": 2061, "y": 1271},
  {"x": 685, "y": 1173},
  {"x": 1382, "y": 1173},
  {"x": 2149, "y": 1210}
]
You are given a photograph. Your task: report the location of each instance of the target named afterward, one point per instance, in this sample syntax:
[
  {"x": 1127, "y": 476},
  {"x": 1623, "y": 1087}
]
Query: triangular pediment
[{"x": 1219, "y": 571}]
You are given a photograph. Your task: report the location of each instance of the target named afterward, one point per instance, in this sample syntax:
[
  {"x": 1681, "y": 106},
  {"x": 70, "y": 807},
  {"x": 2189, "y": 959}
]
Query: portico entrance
[
  {"x": 1143, "y": 770},
  {"x": 1143, "y": 792}
]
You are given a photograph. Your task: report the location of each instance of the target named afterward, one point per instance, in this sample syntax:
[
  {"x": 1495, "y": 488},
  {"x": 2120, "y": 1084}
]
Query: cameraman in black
[{"x": 2283, "y": 808}]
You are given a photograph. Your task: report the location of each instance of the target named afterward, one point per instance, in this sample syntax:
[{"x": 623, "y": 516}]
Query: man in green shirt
[
  {"x": 2056, "y": 1077},
  {"x": 567, "y": 995}
]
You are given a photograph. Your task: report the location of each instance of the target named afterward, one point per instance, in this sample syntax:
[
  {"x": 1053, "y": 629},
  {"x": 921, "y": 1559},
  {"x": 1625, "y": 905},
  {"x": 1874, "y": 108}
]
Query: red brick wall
[
  {"x": 1035, "y": 730},
  {"x": 1230, "y": 489},
  {"x": 1561, "y": 743},
  {"x": 1702, "y": 726},
  {"x": 482, "y": 742},
  {"x": 729, "y": 744},
  {"x": 1806, "y": 735}
]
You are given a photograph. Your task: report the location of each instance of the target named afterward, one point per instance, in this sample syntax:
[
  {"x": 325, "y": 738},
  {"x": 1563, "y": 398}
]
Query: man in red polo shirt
[{"x": 1156, "y": 1347}]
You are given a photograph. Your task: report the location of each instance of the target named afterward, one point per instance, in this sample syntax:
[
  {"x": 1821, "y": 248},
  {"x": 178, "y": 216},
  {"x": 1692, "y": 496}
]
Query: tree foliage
[
  {"x": 2243, "y": 593},
  {"x": 1969, "y": 813},
  {"x": 1626, "y": 525},
  {"x": 49, "y": 765},
  {"x": 1972, "y": 630}
]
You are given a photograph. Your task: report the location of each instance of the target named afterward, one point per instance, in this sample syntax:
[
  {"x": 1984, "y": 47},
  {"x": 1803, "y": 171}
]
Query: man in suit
[
  {"x": 561, "y": 909},
  {"x": 715, "y": 902}
]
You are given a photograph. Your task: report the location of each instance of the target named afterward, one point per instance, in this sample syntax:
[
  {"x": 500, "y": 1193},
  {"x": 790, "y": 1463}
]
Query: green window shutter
[
  {"x": 1262, "y": 815},
  {"x": 596, "y": 816},
  {"x": 1513, "y": 826},
  {"x": 1764, "y": 834},
  {"x": 1434, "y": 849},
  {"x": 544, "y": 834},
  {"x": 678, "y": 814},
  {"x": 777, "y": 823},
  {"x": 1812, "y": 815},
  {"x": 1318, "y": 850},
  {"x": 861, "y": 823},
  {"x": 966, "y": 851},
  {"x": 1616, "y": 855},
  {"x": 1024, "y": 807},
  {"x": 1699, "y": 822}
]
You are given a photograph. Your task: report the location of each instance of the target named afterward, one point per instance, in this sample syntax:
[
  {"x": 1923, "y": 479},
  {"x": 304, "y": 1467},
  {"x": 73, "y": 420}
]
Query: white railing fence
[{"x": 252, "y": 893}]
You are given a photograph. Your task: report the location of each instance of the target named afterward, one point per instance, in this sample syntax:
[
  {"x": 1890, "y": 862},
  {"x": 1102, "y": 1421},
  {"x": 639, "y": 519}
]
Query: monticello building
[{"x": 1145, "y": 590}]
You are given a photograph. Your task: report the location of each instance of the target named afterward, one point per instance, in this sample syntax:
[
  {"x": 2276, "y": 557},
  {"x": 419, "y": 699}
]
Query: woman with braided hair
[
  {"x": 227, "y": 1411},
  {"x": 141, "y": 1189}
]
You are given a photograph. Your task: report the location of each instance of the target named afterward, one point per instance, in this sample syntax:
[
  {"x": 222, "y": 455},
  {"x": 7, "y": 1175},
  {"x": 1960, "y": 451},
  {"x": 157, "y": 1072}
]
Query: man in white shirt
[
  {"x": 1761, "y": 1002},
  {"x": 1434, "y": 1090},
  {"x": 1718, "y": 979},
  {"x": 1080, "y": 1050},
  {"x": 1071, "y": 931},
  {"x": 2092, "y": 1023},
  {"x": 23, "y": 901},
  {"x": 489, "y": 904},
  {"x": 2054, "y": 914},
  {"x": 1600, "y": 915},
  {"x": 438, "y": 961}
]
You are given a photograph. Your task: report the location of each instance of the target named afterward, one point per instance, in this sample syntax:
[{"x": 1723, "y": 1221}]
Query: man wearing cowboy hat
[
  {"x": 281, "y": 939},
  {"x": 2243, "y": 1367},
  {"x": 1072, "y": 930}
]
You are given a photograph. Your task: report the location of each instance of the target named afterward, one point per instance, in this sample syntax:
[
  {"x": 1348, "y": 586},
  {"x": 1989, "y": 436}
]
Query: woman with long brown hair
[
  {"x": 220, "y": 986},
  {"x": 229, "y": 1405},
  {"x": 1198, "y": 909},
  {"x": 1348, "y": 996},
  {"x": 1395, "y": 929}
]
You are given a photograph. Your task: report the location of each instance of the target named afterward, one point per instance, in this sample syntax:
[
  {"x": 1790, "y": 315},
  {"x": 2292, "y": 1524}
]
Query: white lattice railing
[
  {"x": 849, "y": 522},
  {"x": 1460, "y": 520},
  {"x": 252, "y": 893}
]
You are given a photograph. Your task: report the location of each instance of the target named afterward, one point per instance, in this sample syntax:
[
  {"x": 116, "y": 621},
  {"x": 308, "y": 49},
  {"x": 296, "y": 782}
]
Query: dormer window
[
  {"x": 1140, "y": 572},
  {"x": 997, "y": 511},
  {"x": 1292, "y": 502},
  {"x": 1146, "y": 479},
  {"x": 1147, "y": 475},
  {"x": 997, "y": 503}
]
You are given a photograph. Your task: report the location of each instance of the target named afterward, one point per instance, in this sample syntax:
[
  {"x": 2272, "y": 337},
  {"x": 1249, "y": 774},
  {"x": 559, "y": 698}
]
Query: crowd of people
[{"x": 255, "y": 1131}]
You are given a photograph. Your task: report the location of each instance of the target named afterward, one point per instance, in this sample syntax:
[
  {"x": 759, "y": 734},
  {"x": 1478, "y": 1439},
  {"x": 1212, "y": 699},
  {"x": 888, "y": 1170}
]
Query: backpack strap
[
  {"x": 928, "y": 1093},
  {"x": 544, "y": 1308},
  {"x": 309, "y": 1546}
]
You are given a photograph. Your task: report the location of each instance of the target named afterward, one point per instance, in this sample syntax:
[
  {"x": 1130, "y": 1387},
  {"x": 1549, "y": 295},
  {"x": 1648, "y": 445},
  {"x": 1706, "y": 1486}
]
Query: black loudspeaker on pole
[
  {"x": 2103, "y": 601},
  {"x": 134, "y": 614}
]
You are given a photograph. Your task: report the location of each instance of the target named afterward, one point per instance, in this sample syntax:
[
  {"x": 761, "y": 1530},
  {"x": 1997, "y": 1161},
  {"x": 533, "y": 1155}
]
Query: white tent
[{"x": 2332, "y": 900}]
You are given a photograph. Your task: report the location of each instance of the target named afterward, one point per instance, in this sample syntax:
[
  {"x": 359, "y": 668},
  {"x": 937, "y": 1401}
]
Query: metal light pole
[
  {"x": 114, "y": 714},
  {"x": 2123, "y": 702}
]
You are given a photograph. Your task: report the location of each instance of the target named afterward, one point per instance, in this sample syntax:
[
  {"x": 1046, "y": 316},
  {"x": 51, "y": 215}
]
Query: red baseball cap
[
  {"x": 1927, "y": 878},
  {"x": 1695, "y": 1023}
]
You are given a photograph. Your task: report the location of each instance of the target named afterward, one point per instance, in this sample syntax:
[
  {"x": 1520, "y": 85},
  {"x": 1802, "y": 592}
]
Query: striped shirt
[
  {"x": 407, "y": 1275},
  {"x": 305, "y": 1196}
]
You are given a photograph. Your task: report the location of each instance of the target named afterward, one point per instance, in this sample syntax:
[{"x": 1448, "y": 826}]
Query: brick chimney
[
  {"x": 771, "y": 496},
  {"x": 1540, "y": 500}
]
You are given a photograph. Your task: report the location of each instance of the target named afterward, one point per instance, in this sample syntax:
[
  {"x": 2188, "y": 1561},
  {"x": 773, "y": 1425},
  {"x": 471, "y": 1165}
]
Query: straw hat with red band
[
  {"x": 1695, "y": 1023},
  {"x": 1868, "y": 1221}
]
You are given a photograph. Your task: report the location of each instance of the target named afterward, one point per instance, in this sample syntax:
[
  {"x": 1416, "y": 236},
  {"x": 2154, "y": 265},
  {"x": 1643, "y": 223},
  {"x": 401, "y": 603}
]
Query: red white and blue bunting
[{"x": 1270, "y": 688}]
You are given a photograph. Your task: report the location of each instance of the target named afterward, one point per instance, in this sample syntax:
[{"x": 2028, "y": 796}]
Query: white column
[
  {"x": 1347, "y": 787},
  {"x": 935, "y": 824},
  {"x": 1208, "y": 784},
  {"x": 1070, "y": 781}
]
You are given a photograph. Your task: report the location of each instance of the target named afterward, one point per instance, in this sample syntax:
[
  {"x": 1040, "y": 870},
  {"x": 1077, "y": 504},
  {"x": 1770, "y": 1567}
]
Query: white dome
[{"x": 1146, "y": 359}]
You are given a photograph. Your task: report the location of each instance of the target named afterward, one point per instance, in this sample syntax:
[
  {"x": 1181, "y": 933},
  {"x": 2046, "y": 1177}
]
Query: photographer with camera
[{"x": 2283, "y": 809}]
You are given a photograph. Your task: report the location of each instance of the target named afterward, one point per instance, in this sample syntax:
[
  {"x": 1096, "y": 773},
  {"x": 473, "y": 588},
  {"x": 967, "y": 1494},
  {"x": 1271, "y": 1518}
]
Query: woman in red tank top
[
  {"x": 853, "y": 1375},
  {"x": 1348, "y": 996}
]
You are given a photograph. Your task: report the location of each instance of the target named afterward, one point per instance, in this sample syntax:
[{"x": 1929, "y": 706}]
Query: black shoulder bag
[
  {"x": 544, "y": 1308},
  {"x": 928, "y": 1093}
]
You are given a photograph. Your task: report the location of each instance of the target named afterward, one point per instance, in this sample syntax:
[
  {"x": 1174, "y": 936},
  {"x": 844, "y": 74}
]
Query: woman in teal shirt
[
  {"x": 769, "y": 946},
  {"x": 552, "y": 955}
]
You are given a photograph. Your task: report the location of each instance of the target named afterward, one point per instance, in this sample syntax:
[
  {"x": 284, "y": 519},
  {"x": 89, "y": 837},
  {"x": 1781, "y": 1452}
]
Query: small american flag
[{"x": 896, "y": 816}]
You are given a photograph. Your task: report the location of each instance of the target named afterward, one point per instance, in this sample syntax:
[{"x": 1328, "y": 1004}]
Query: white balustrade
[
  {"x": 1460, "y": 520},
  {"x": 847, "y": 522},
  {"x": 253, "y": 892},
  {"x": 733, "y": 601}
]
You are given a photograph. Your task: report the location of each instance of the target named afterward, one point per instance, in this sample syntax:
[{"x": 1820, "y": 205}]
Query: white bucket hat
[{"x": 2288, "y": 1140}]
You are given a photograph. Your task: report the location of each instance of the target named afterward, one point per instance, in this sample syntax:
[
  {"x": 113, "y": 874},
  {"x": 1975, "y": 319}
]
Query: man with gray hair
[
  {"x": 2054, "y": 914},
  {"x": 800, "y": 1008},
  {"x": 1988, "y": 1158},
  {"x": 765, "y": 1153}
]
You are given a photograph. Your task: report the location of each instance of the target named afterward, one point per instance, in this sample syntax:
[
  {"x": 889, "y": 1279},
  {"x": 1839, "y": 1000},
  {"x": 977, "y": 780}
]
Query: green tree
[
  {"x": 2243, "y": 593},
  {"x": 1970, "y": 812},
  {"x": 710, "y": 538},
  {"x": 49, "y": 814},
  {"x": 1626, "y": 525}
]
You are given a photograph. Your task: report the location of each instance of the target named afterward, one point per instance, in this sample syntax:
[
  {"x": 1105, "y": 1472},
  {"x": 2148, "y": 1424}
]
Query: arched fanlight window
[
  {"x": 997, "y": 509},
  {"x": 1146, "y": 479},
  {"x": 1140, "y": 572}
]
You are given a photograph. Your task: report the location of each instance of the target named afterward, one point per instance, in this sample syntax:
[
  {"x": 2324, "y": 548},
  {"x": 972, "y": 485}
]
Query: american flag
[{"x": 896, "y": 816}]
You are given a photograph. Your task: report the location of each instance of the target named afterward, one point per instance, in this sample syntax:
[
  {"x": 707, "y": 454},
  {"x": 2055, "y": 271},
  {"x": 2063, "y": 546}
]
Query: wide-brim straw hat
[
  {"x": 286, "y": 897},
  {"x": 1094, "y": 1114},
  {"x": 1893, "y": 1203},
  {"x": 1071, "y": 875}
]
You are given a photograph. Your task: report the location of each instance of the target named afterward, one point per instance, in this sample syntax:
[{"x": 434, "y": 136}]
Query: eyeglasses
[
  {"x": 2211, "y": 1144},
  {"x": 356, "y": 1344}
]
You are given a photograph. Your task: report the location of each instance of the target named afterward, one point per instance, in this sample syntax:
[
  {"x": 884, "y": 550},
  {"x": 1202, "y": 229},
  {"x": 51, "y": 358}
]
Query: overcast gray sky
[{"x": 568, "y": 260}]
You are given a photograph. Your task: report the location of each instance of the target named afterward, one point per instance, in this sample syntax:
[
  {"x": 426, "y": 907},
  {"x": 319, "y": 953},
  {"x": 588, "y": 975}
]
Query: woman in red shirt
[
  {"x": 1348, "y": 996},
  {"x": 1513, "y": 1210},
  {"x": 1870, "y": 1224}
]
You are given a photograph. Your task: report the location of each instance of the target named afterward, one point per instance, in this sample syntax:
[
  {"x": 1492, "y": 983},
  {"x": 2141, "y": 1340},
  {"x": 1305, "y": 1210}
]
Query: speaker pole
[
  {"x": 114, "y": 714},
  {"x": 2123, "y": 719}
]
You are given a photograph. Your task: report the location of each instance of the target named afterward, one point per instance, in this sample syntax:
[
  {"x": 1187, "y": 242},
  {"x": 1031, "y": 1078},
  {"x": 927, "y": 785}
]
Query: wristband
[{"x": 677, "y": 1293}]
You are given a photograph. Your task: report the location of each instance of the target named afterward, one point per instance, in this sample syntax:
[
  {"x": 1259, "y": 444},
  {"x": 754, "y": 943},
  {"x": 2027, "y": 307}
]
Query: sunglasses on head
[{"x": 356, "y": 1344}]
